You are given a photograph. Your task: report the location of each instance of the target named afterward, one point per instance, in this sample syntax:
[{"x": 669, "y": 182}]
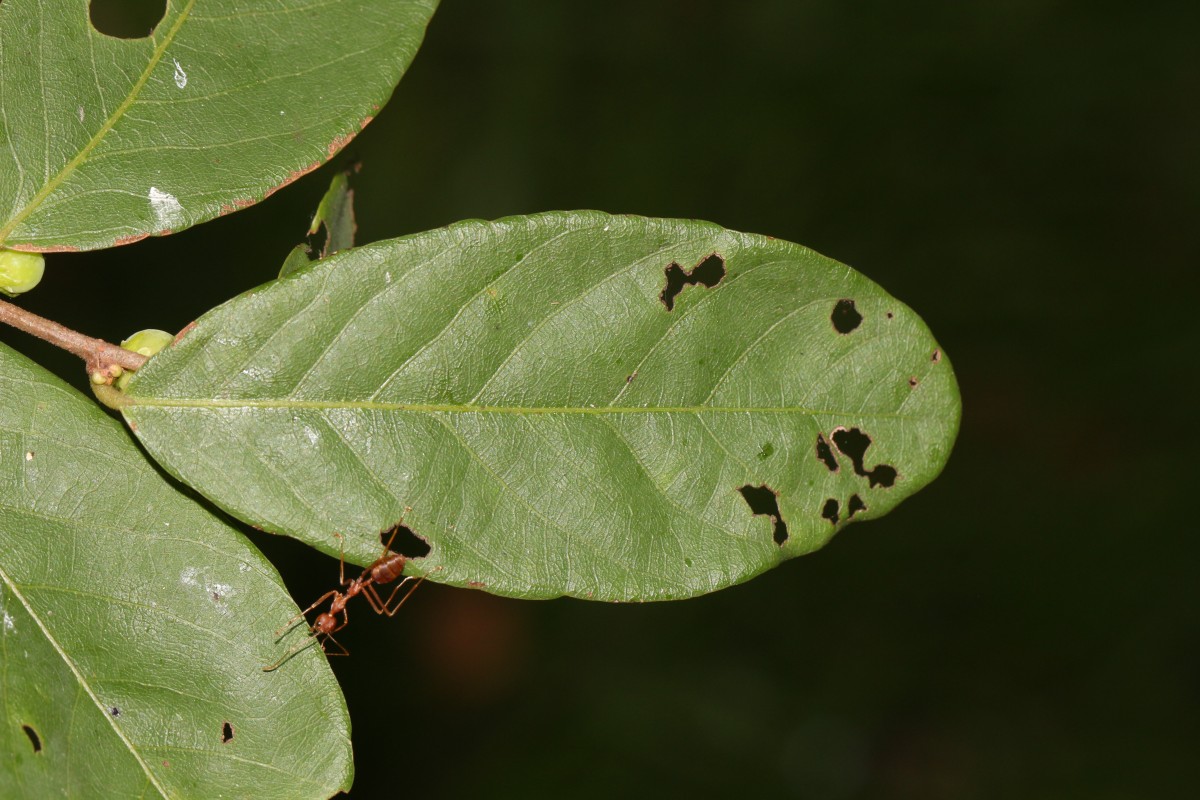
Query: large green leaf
[
  {"x": 104, "y": 141},
  {"x": 134, "y": 626},
  {"x": 555, "y": 427}
]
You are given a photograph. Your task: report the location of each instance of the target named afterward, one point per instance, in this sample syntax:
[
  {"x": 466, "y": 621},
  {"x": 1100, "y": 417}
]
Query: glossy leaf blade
[
  {"x": 554, "y": 426},
  {"x": 134, "y": 626},
  {"x": 104, "y": 141}
]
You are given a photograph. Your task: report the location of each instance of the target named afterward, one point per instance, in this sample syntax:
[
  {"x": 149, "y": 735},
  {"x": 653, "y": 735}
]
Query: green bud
[
  {"x": 147, "y": 342},
  {"x": 20, "y": 272}
]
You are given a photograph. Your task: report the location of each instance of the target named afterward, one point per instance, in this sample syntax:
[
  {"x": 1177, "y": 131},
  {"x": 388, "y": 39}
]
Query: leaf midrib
[
  {"x": 132, "y": 403},
  {"x": 109, "y": 124}
]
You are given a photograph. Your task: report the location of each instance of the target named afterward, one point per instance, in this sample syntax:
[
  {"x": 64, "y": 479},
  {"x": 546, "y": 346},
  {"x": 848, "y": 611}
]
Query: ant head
[{"x": 326, "y": 623}]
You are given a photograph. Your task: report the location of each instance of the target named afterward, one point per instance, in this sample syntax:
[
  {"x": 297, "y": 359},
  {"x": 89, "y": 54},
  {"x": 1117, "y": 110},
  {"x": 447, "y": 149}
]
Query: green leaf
[
  {"x": 336, "y": 213},
  {"x": 134, "y": 626},
  {"x": 104, "y": 141},
  {"x": 297, "y": 258},
  {"x": 555, "y": 428}
]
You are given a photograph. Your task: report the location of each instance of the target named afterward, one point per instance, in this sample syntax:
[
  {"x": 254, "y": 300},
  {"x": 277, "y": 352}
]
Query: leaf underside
[
  {"x": 104, "y": 141},
  {"x": 606, "y": 407},
  {"x": 134, "y": 626}
]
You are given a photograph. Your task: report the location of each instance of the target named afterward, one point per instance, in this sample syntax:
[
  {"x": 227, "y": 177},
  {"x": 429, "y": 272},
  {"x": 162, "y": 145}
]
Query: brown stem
[{"x": 98, "y": 353}]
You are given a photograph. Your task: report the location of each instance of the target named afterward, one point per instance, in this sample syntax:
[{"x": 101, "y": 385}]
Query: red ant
[{"x": 387, "y": 568}]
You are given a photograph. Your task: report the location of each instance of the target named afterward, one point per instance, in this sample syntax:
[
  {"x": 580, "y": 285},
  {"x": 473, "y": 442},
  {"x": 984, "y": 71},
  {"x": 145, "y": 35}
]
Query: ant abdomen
[{"x": 388, "y": 569}]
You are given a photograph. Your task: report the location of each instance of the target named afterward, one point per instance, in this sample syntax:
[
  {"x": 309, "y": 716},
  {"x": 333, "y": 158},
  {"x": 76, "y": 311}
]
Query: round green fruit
[
  {"x": 20, "y": 272},
  {"x": 147, "y": 342}
]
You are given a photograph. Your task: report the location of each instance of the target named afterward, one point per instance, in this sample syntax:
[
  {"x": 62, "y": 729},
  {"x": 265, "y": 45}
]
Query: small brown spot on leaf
[
  {"x": 912, "y": 382},
  {"x": 936, "y": 357}
]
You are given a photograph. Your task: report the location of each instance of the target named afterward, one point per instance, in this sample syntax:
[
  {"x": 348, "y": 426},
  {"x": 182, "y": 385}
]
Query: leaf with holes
[
  {"x": 607, "y": 407},
  {"x": 104, "y": 141},
  {"x": 134, "y": 626}
]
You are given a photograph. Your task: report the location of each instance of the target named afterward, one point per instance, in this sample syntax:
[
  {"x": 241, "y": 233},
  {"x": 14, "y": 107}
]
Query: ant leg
[
  {"x": 287, "y": 626},
  {"x": 385, "y": 606},
  {"x": 308, "y": 640},
  {"x": 345, "y": 622},
  {"x": 387, "y": 548},
  {"x": 341, "y": 558},
  {"x": 329, "y": 638}
]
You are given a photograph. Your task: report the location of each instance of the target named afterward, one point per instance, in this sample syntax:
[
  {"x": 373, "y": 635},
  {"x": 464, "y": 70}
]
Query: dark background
[{"x": 1025, "y": 175}]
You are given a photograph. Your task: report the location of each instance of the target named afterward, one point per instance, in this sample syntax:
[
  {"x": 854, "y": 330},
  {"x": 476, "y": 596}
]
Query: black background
[{"x": 1025, "y": 175}]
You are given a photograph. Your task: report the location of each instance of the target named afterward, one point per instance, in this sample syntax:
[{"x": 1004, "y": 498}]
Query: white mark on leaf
[
  {"x": 180, "y": 75},
  {"x": 214, "y": 591},
  {"x": 79, "y": 113},
  {"x": 312, "y": 436},
  {"x": 29, "y": 455},
  {"x": 9, "y": 624},
  {"x": 167, "y": 209}
]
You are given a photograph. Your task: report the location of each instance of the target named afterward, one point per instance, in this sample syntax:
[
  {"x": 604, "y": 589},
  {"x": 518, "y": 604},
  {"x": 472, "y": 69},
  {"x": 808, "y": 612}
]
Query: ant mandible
[{"x": 387, "y": 568}]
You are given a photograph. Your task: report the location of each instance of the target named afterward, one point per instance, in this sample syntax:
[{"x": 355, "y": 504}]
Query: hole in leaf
[
  {"x": 854, "y": 506},
  {"x": 825, "y": 454},
  {"x": 116, "y": 712},
  {"x": 33, "y": 738},
  {"x": 936, "y": 357},
  {"x": 845, "y": 316},
  {"x": 764, "y": 502},
  {"x": 912, "y": 382},
  {"x": 830, "y": 510},
  {"x": 406, "y": 542},
  {"x": 226, "y": 733},
  {"x": 890, "y": 315},
  {"x": 854, "y": 443},
  {"x": 708, "y": 273},
  {"x": 126, "y": 19}
]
